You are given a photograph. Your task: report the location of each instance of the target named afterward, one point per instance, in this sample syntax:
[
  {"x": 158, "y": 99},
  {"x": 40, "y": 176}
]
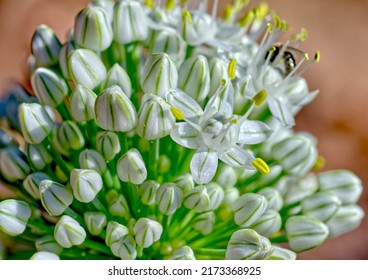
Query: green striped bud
[
  {"x": 281, "y": 254},
  {"x": 117, "y": 76},
  {"x": 92, "y": 29},
  {"x": 155, "y": 119},
  {"x": 159, "y": 74},
  {"x": 38, "y": 156},
  {"x": 108, "y": 144},
  {"x": 322, "y": 206},
  {"x": 6, "y": 139},
  {"x": 14, "y": 215},
  {"x": 218, "y": 73},
  {"x": 168, "y": 42},
  {"x": 118, "y": 206},
  {"x": 299, "y": 188},
  {"x": 55, "y": 197},
  {"x": 13, "y": 164},
  {"x": 184, "y": 253},
  {"x": 95, "y": 222},
  {"x": 347, "y": 218},
  {"x": 226, "y": 176},
  {"x": 114, "y": 232},
  {"x": 147, "y": 232},
  {"x": 68, "y": 232},
  {"x": 168, "y": 198},
  {"x": 305, "y": 233},
  {"x": 91, "y": 159},
  {"x": 194, "y": 77},
  {"x": 86, "y": 68},
  {"x": 45, "y": 46},
  {"x": 69, "y": 136},
  {"x": 44, "y": 256},
  {"x": 65, "y": 52},
  {"x": 35, "y": 122},
  {"x": 48, "y": 244},
  {"x": 197, "y": 199},
  {"x": 86, "y": 184},
  {"x": 247, "y": 244},
  {"x": 130, "y": 167},
  {"x": 106, "y": 5},
  {"x": 32, "y": 181},
  {"x": 147, "y": 192},
  {"x": 268, "y": 224},
  {"x": 216, "y": 195},
  {"x": 248, "y": 208},
  {"x": 274, "y": 198},
  {"x": 231, "y": 195},
  {"x": 82, "y": 104},
  {"x": 343, "y": 183},
  {"x": 130, "y": 22},
  {"x": 204, "y": 223},
  {"x": 114, "y": 110},
  {"x": 124, "y": 248},
  {"x": 49, "y": 88},
  {"x": 185, "y": 182}
]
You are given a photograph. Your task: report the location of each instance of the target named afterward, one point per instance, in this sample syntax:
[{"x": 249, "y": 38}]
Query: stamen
[
  {"x": 317, "y": 56},
  {"x": 231, "y": 70},
  {"x": 214, "y": 9},
  {"x": 170, "y": 4},
  {"x": 261, "y": 11},
  {"x": 247, "y": 19},
  {"x": 178, "y": 114},
  {"x": 260, "y": 97},
  {"x": 149, "y": 3},
  {"x": 186, "y": 16},
  {"x": 319, "y": 164},
  {"x": 228, "y": 12},
  {"x": 261, "y": 166}
]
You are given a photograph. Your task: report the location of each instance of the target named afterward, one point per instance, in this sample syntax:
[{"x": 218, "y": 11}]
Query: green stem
[
  {"x": 132, "y": 62},
  {"x": 63, "y": 111},
  {"x": 57, "y": 158},
  {"x": 189, "y": 51},
  {"x": 279, "y": 239},
  {"x": 153, "y": 158},
  {"x": 211, "y": 252},
  {"x": 102, "y": 248},
  {"x": 40, "y": 227}
]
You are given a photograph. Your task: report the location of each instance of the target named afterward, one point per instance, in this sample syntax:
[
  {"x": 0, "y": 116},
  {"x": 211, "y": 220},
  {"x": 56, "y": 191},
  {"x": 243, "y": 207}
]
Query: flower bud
[
  {"x": 226, "y": 176},
  {"x": 194, "y": 77},
  {"x": 184, "y": 253},
  {"x": 91, "y": 159},
  {"x": 343, "y": 183},
  {"x": 70, "y": 136},
  {"x": 49, "y": 88},
  {"x": 305, "y": 233},
  {"x": 299, "y": 188},
  {"x": 48, "y": 244},
  {"x": 82, "y": 104},
  {"x": 55, "y": 197},
  {"x": 44, "y": 256},
  {"x": 184, "y": 182},
  {"x": 14, "y": 215},
  {"x": 218, "y": 73},
  {"x": 231, "y": 195},
  {"x": 45, "y": 46},
  {"x": 281, "y": 254},
  {"x": 124, "y": 248},
  {"x": 106, "y": 5},
  {"x": 92, "y": 29},
  {"x": 168, "y": 198},
  {"x": 117, "y": 76},
  {"x": 247, "y": 244},
  {"x": 86, "y": 184},
  {"x": 268, "y": 224},
  {"x": 61, "y": 174},
  {"x": 114, "y": 110},
  {"x": 86, "y": 68},
  {"x": 216, "y": 195},
  {"x": 130, "y": 22},
  {"x": 147, "y": 232},
  {"x": 32, "y": 181},
  {"x": 159, "y": 74},
  {"x": 204, "y": 223},
  {"x": 248, "y": 208},
  {"x": 130, "y": 167},
  {"x": 347, "y": 218},
  {"x": 38, "y": 156},
  {"x": 147, "y": 192},
  {"x": 65, "y": 52},
  {"x": 13, "y": 164},
  {"x": 118, "y": 206},
  {"x": 322, "y": 206},
  {"x": 6, "y": 139},
  {"x": 35, "y": 122},
  {"x": 108, "y": 144},
  {"x": 155, "y": 119},
  {"x": 163, "y": 164},
  {"x": 273, "y": 197},
  {"x": 68, "y": 232},
  {"x": 95, "y": 222},
  {"x": 168, "y": 42},
  {"x": 197, "y": 199},
  {"x": 114, "y": 232}
]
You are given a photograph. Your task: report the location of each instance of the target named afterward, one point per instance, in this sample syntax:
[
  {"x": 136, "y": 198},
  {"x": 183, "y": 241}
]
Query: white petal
[
  {"x": 253, "y": 132},
  {"x": 203, "y": 166},
  {"x": 281, "y": 112},
  {"x": 237, "y": 157},
  {"x": 184, "y": 102},
  {"x": 185, "y": 135}
]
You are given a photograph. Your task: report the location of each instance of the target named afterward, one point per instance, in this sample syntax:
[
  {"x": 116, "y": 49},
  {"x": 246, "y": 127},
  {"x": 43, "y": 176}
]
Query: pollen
[
  {"x": 231, "y": 70},
  {"x": 260, "y": 97},
  {"x": 178, "y": 114},
  {"x": 261, "y": 166}
]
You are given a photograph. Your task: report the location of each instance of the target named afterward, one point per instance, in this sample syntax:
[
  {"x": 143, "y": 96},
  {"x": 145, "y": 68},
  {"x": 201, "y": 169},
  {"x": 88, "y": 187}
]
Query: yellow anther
[
  {"x": 269, "y": 27},
  {"x": 284, "y": 26},
  {"x": 306, "y": 56},
  {"x": 228, "y": 12},
  {"x": 240, "y": 4},
  {"x": 234, "y": 121},
  {"x": 246, "y": 19},
  {"x": 223, "y": 82},
  {"x": 231, "y": 70},
  {"x": 277, "y": 21},
  {"x": 272, "y": 49},
  {"x": 261, "y": 166},
  {"x": 317, "y": 56},
  {"x": 170, "y": 4},
  {"x": 303, "y": 34},
  {"x": 178, "y": 114},
  {"x": 262, "y": 10},
  {"x": 149, "y": 3},
  {"x": 319, "y": 164},
  {"x": 183, "y": 2},
  {"x": 260, "y": 97},
  {"x": 186, "y": 16}
]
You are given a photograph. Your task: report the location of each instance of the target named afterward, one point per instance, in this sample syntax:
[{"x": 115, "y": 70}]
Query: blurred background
[{"x": 338, "y": 28}]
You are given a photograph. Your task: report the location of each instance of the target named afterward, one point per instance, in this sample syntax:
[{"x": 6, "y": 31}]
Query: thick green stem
[
  {"x": 132, "y": 63},
  {"x": 153, "y": 158}
]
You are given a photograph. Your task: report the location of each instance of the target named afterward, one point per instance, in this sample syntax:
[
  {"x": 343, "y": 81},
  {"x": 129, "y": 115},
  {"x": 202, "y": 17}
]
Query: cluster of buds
[{"x": 165, "y": 132}]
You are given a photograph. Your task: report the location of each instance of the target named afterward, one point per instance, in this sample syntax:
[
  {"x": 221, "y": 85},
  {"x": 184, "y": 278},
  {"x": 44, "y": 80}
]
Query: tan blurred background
[{"x": 338, "y": 28}]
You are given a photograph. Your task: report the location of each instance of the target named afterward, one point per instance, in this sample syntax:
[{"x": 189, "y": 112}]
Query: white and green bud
[
  {"x": 274, "y": 198},
  {"x": 92, "y": 29},
  {"x": 61, "y": 174},
  {"x": 124, "y": 248},
  {"x": 204, "y": 223},
  {"x": 91, "y": 159},
  {"x": 6, "y": 139},
  {"x": 231, "y": 195},
  {"x": 184, "y": 253},
  {"x": 114, "y": 232},
  {"x": 14, "y": 215},
  {"x": 35, "y": 122},
  {"x": 114, "y": 110},
  {"x": 45, "y": 46},
  {"x": 299, "y": 188},
  {"x": 163, "y": 164},
  {"x": 268, "y": 224},
  {"x": 32, "y": 181},
  {"x": 108, "y": 144},
  {"x": 166, "y": 41},
  {"x": 131, "y": 168},
  {"x": 155, "y": 119},
  {"x": 305, "y": 233},
  {"x": 38, "y": 156},
  {"x": 55, "y": 142},
  {"x": 347, "y": 218},
  {"x": 68, "y": 232},
  {"x": 147, "y": 232},
  {"x": 343, "y": 183},
  {"x": 185, "y": 183},
  {"x": 118, "y": 206},
  {"x": 159, "y": 74},
  {"x": 169, "y": 198},
  {"x": 247, "y": 244},
  {"x": 226, "y": 176},
  {"x": 194, "y": 77},
  {"x": 55, "y": 197},
  {"x": 117, "y": 76},
  {"x": 197, "y": 199},
  {"x": 248, "y": 208},
  {"x": 13, "y": 164},
  {"x": 69, "y": 136},
  {"x": 86, "y": 184},
  {"x": 106, "y": 5},
  {"x": 49, "y": 88},
  {"x": 218, "y": 73},
  {"x": 82, "y": 104},
  {"x": 130, "y": 22},
  {"x": 65, "y": 52},
  {"x": 322, "y": 206},
  {"x": 216, "y": 195},
  {"x": 281, "y": 254},
  {"x": 147, "y": 192},
  {"x": 86, "y": 68},
  {"x": 44, "y": 256},
  {"x": 95, "y": 222},
  {"x": 48, "y": 244}
]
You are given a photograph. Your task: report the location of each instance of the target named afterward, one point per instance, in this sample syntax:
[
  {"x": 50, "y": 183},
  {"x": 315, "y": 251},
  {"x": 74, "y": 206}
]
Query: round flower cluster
[{"x": 160, "y": 131}]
